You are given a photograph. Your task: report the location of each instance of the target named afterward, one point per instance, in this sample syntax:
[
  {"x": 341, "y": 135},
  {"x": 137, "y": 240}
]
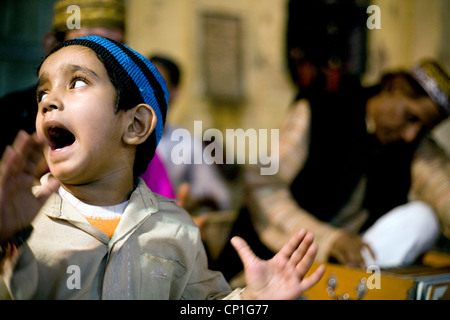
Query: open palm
[{"x": 283, "y": 276}]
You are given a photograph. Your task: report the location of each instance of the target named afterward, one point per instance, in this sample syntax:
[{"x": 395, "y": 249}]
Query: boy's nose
[
  {"x": 49, "y": 107},
  {"x": 51, "y": 102}
]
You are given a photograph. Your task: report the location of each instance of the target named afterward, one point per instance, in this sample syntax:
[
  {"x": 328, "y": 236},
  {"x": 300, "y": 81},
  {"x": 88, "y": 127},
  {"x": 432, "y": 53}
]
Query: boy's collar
[{"x": 143, "y": 203}]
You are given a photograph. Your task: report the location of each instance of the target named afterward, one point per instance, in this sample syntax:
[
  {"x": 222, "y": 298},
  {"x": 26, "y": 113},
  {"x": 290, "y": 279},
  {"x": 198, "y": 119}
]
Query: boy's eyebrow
[
  {"x": 68, "y": 69},
  {"x": 71, "y": 68},
  {"x": 42, "y": 79}
]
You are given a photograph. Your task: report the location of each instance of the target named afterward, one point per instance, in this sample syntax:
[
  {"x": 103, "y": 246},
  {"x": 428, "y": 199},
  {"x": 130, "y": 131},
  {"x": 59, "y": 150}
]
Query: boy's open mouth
[{"x": 59, "y": 138}]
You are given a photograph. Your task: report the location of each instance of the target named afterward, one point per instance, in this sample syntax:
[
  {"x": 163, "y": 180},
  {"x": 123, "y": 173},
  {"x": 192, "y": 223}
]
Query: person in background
[
  {"x": 207, "y": 190},
  {"x": 360, "y": 171},
  {"x": 357, "y": 165}
]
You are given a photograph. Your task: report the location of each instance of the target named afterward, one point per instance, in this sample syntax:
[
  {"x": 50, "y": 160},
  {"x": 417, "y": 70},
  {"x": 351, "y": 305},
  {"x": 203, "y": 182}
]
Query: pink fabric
[{"x": 157, "y": 179}]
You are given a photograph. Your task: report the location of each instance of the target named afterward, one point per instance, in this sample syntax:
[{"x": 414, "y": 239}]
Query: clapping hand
[
  {"x": 21, "y": 166},
  {"x": 283, "y": 276}
]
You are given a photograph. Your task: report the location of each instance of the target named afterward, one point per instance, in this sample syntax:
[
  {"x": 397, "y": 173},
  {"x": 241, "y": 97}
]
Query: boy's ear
[{"x": 141, "y": 122}]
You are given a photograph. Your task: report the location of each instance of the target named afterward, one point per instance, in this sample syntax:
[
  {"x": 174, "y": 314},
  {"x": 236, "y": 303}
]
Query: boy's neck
[{"x": 104, "y": 192}]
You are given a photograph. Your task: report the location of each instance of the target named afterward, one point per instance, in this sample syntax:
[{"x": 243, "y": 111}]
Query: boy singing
[{"x": 102, "y": 108}]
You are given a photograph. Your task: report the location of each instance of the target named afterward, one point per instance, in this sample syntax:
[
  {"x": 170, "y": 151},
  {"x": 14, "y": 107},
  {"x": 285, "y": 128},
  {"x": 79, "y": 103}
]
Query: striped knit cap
[
  {"x": 436, "y": 82},
  {"x": 139, "y": 79}
]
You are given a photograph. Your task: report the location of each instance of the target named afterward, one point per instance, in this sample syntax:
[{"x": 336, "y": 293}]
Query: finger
[
  {"x": 200, "y": 221},
  {"x": 20, "y": 139},
  {"x": 11, "y": 168},
  {"x": 18, "y": 148},
  {"x": 244, "y": 251},
  {"x": 372, "y": 253},
  {"x": 315, "y": 277},
  {"x": 8, "y": 165},
  {"x": 305, "y": 264},
  {"x": 36, "y": 163},
  {"x": 47, "y": 189},
  {"x": 352, "y": 260},
  {"x": 355, "y": 258},
  {"x": 339, "y": 256},
  {"x": 28, "y": 151},
  {"x": 289, "y": 248},
  {"x": 301, "y": 250},
  {"x": 350, "y": 248},
  {"x": 182, "y": 194},
  {"x": 7, "y": 153}
]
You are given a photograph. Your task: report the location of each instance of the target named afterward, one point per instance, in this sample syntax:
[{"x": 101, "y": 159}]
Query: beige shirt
[{"x": 155, "y": 253}]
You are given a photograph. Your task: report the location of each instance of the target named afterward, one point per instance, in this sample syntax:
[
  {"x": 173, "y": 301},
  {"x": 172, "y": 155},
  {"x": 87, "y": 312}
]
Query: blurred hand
[
  {"x": 183, "y": 194},
  {"x": 347, "y": 250},
  {"x": 21, "y": 166}
]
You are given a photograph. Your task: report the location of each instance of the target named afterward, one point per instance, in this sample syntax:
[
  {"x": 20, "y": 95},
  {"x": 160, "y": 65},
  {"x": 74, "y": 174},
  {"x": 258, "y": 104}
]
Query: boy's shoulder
[
  {"x": 162, "y": 198},
  {"x": 172, "y": 207},
  {"x": 166, "y": 206}
]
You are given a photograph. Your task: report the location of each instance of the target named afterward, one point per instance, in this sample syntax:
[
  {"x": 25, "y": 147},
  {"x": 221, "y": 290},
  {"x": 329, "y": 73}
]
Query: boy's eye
[
  {"x": 78, "y": 83},
  {"x": 42, "y": 96}
]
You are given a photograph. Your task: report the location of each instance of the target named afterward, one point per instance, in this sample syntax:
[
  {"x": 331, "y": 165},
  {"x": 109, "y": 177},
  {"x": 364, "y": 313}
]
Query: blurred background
[{"x": 234, "y": 53}]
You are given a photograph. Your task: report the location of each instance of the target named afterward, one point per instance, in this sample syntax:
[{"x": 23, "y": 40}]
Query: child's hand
[
  {"x": 21, "y": 166},
  {"x": 281, "y": 277}
]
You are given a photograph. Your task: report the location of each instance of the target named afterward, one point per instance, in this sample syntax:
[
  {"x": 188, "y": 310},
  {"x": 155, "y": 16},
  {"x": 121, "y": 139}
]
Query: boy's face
[{"x": 76, "y": 102}]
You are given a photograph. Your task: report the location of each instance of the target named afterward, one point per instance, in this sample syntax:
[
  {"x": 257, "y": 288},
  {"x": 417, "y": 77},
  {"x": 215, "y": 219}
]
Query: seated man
[{"x": 350, "y": 168}]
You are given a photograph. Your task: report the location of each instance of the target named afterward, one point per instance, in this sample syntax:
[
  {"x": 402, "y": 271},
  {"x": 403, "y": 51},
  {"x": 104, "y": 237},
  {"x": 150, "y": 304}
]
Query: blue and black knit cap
[
  {"x": 432, "y": 77},
  {"x": 137, "y": 78}
]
